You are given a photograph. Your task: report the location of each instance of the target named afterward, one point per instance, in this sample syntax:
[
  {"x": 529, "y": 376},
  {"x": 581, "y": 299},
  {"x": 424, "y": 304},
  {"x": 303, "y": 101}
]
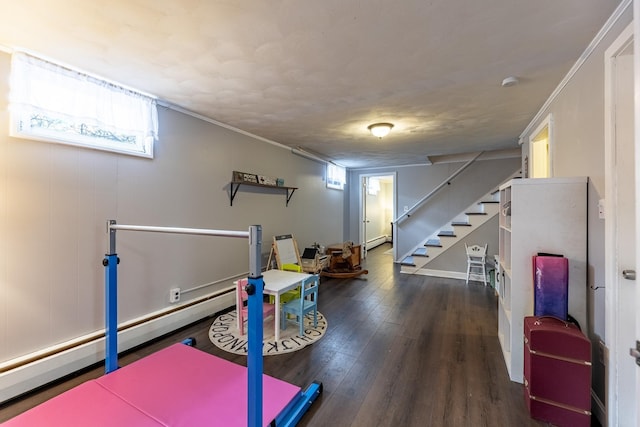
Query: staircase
[{"x": 459, "y": 227}]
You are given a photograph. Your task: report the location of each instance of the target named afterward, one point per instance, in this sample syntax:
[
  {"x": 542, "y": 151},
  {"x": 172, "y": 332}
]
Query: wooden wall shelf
[{"x": 235, "y": 186}]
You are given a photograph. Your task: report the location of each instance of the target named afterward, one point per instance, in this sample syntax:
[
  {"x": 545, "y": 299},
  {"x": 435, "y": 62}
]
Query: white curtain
[
  {"x": 336, "y": 176},
  {"x": 38, "y": 86}
]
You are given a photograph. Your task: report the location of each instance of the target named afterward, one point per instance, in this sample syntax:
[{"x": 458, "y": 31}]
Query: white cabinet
[{"x": 538, "y": 215}]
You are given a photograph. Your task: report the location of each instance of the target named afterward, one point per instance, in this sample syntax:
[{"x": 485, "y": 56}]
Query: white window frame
[
  {"x": 109, "y": 118},
  {"x": 336, "y": 176}
]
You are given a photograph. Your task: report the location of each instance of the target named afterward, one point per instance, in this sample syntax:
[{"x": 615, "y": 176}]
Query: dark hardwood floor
[{"x": 400, "y": 350}]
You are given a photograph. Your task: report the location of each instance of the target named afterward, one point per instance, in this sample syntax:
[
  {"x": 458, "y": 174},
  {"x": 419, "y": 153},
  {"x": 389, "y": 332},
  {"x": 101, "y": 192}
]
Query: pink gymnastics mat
[{"x": 176, "y": 386}]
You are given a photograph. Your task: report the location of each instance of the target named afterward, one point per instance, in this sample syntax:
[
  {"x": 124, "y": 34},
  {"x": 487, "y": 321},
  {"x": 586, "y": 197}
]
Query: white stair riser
[{"x": 491, "y": 209}]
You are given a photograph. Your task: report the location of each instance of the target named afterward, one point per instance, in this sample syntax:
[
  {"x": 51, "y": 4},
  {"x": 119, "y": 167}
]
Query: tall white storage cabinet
[{"x": 538, "y": 215}]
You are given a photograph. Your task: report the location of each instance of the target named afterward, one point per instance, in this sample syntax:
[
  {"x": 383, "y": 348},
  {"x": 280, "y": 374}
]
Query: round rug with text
[{"x": 225, "y": 335}]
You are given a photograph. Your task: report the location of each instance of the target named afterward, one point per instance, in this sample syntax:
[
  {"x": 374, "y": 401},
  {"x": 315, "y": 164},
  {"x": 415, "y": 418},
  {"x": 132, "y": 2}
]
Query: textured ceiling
[{"x": 315, "y": 74}]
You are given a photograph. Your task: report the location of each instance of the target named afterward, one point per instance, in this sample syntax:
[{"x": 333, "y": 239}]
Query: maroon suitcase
[{"x": 557, "y": 372}]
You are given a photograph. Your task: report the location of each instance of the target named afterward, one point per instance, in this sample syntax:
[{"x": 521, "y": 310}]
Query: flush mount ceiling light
[
  {"x": 380, "y": 129},
  {"x": 510, "y": 81}
]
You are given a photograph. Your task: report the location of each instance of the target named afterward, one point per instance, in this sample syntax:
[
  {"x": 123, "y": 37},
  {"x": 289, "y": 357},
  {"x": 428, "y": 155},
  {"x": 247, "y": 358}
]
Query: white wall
[
  {"x": 578, "y": 150},
  {"x": 55, "y": 201}
]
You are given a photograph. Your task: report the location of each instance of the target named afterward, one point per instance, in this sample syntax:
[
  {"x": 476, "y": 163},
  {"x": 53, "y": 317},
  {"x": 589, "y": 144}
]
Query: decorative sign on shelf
[
  {"x": 245, "y": 177},
  {"x": 257, "y": 179}
]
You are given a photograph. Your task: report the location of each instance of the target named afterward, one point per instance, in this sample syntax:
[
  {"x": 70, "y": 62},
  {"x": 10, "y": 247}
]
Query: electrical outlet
[
  {"x": 174, "y": 295},
  {"x": 601, "y": 214}
]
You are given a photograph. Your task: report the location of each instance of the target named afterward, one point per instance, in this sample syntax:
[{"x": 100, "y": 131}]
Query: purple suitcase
[{"x": 557, "y": 372}]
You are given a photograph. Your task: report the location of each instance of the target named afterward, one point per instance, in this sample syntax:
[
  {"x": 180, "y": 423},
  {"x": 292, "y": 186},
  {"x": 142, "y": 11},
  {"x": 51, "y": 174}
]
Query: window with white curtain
[
  {"x": 336, "y": 176},
  {"x": 53, "y": 103}
]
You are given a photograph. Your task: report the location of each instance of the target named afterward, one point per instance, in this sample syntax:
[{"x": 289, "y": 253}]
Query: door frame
[
  {"x": 613, "y": 318},
  {"x": 361, "y": 211},
  {"x": 548, "y": 124},
  {"x": 636, "y": 121}
]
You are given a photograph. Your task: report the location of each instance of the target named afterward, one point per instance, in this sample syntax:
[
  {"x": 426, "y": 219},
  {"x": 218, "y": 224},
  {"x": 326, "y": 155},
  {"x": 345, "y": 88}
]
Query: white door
[
  {"x": 620, "y": 225},
  {"x": 636, "y": 24},
  {"x": 625, "y": 230},
  {"x": 363, "y": 217},
  {"x": 377, "y": 198}
]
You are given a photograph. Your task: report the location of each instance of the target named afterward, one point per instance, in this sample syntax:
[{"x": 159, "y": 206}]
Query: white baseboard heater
[
  {"x": 375, "y": 242},
  {"x": 26, "y": 373}
]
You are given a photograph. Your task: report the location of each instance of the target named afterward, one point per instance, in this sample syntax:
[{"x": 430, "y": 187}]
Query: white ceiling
[{"x": 315, "y": 74}]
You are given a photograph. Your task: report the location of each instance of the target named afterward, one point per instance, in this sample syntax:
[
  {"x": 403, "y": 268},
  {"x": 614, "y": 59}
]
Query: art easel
[{"x": 285, "y": 250}]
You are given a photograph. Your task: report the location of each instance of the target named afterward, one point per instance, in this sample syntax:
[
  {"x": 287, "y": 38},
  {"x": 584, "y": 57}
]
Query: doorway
[
  {"x": 377, "y": 210},
  {"x": 620, "y": 226},
  {"x": 540, "y": 150}
]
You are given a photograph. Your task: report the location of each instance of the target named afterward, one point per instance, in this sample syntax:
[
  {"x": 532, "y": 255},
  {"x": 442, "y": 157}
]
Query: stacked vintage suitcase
[{"x": 557, "y": 355}]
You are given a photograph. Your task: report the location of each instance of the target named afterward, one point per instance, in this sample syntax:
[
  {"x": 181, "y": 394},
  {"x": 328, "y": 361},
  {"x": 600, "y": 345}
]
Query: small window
[
  {"x": 52, "y": 103},
  {"x": 336, "y": 176}
]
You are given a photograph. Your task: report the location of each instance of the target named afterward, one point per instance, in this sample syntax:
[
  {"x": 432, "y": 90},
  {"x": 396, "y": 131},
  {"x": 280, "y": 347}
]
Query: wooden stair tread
[
  {"x": 408, "y": 261},
  {"x": 434, "y": 243},
  {"x": 422, "y": 252}
]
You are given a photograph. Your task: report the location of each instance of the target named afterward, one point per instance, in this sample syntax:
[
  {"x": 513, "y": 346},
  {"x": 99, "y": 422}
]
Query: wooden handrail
[{"x": 408, "y": 213}]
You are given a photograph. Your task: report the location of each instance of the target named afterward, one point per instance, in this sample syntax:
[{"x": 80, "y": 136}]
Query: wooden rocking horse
[{"x": 344, "y": 261}]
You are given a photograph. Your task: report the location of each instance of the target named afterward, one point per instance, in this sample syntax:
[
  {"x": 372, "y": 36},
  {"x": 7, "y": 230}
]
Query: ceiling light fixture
[
  {"x": 380, "y": 129},
  {"x": 510, "y": 81}
]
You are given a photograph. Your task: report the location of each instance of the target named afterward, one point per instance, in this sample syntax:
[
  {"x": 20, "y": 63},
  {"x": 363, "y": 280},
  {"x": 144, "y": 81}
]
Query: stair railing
[{"x": 444, "y": 183}]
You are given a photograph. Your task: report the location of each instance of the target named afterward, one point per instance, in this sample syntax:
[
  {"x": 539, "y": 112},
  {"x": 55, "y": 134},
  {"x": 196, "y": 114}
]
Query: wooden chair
[
  {"x": 242, "y": 310},
  {"x": 308, "y": 302},
  {"x": 292, "y": 294},
  {"x": 476, "y": 261}
]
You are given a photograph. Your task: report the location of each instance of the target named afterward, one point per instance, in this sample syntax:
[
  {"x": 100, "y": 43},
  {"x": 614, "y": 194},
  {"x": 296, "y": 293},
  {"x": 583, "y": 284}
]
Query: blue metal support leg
[
  {"x": 111, "y": 312},
  {"x": 294, "y": 412},
  {"x": 254, "y": 357},
  {"x": 254, "y": 289}
]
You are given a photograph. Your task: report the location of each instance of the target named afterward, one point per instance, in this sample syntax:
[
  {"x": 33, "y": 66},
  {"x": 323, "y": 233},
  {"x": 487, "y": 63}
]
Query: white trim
[
  {"x": 27, "y": 377},
  {"x": 294, "y": 150},
  {"x": 612, "y": 320},
  {"x": 613, "y": 19},
  {"x": 506, "y": 153},
  {"x": 389, "y": 167},
  {"x": 377, "y": 241},
  {"x": 448, "y": 274},
  {"x": 636, "y": 144},
  {"x": 438, "y": 273},
  {"x": 302, "y": 153},
  {"x": 182, "y": 110}
]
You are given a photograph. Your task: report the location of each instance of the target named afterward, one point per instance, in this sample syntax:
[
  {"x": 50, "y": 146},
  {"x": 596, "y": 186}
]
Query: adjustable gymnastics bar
[{"x": 296, "y": 409}]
